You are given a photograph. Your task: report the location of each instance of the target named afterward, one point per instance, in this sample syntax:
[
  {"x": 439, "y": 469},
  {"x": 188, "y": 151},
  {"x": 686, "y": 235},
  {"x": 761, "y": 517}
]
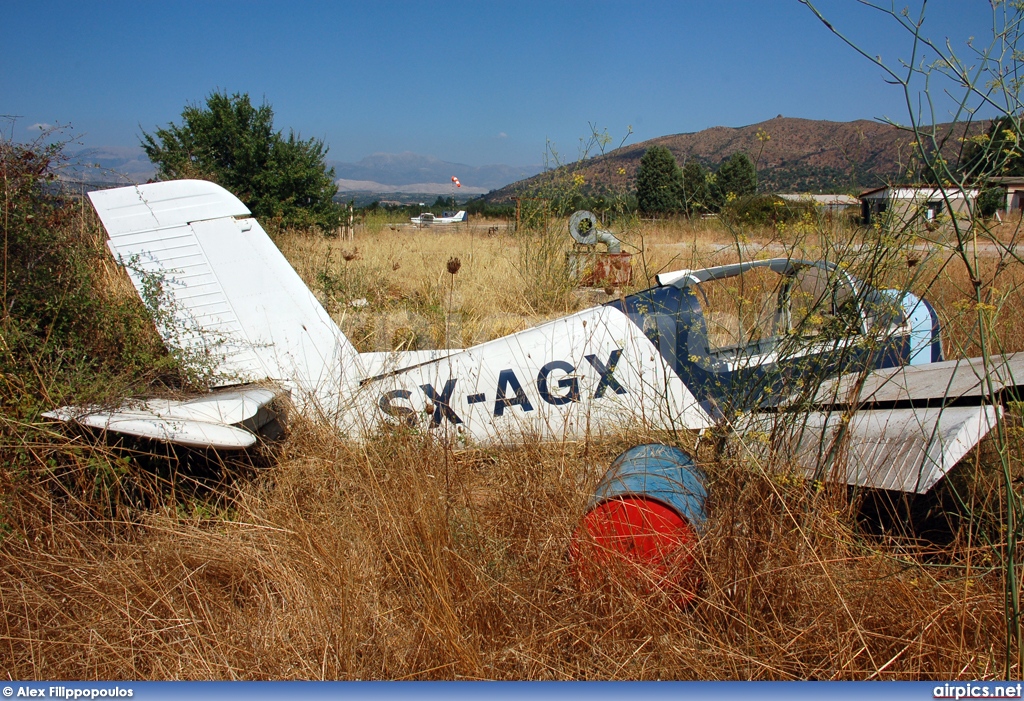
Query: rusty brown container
[{"x": 594, "y": 269}]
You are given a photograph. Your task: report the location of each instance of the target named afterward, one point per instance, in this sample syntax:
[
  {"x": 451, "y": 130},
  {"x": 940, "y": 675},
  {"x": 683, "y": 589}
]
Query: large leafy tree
[
  {"x": 737, "y": 176},
  {"x": 696, "y": 189},
  {"x": 234, "y": 144},
  {"x": 1000, "y": 151},
  {"x": 659, "y": 182}
]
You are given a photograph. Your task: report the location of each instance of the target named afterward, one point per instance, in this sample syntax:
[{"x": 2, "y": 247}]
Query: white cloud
[
  {"x": 502, "y": 135},
  {"x": 39, "y": 126}
]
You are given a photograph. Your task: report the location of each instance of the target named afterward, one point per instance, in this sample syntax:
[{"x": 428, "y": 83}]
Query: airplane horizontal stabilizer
[{"x": 227, "y": 420}]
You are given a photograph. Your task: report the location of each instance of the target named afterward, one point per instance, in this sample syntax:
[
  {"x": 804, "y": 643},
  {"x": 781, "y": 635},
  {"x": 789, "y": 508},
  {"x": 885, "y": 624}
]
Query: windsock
[{"x": 456, "y": 181}]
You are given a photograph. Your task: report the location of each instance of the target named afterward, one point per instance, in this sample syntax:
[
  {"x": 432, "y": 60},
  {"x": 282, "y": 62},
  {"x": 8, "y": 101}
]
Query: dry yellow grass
[
  {"x": 400, "y": 559},
  {"x": 346, "y": 561},
  {"x": 400, "y": 271}
]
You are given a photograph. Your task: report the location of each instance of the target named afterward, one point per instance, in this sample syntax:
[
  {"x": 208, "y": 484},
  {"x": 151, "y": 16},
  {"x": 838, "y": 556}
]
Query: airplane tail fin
[
  {"x": 220, "y": 289},
  {"x": 462, "y": 216}
]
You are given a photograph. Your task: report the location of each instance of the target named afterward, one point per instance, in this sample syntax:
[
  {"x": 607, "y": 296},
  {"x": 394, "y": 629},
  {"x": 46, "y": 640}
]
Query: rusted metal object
[
  {"x": 590, "y": 268},
  {"x": 610, "y": 270}
]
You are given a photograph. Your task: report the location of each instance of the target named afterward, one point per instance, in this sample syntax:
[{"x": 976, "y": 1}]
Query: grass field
[{"x": 400, "y": 558}]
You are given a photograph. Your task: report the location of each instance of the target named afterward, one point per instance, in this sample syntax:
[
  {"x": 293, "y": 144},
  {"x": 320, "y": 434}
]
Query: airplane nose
[{"x": 643, "y": 522}]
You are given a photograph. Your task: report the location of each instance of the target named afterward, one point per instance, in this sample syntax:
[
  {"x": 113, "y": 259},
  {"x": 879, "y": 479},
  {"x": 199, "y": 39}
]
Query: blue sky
[{"x": 469, "y": 82}]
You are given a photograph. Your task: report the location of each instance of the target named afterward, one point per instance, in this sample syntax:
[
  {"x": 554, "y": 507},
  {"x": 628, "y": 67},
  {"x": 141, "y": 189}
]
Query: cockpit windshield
[{"x": 751, "y": 327}]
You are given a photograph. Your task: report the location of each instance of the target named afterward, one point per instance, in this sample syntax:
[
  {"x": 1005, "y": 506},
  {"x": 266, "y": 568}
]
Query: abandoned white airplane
[
  {"x": 426, "y": 219},
  {"x": 675, "y": 356}
]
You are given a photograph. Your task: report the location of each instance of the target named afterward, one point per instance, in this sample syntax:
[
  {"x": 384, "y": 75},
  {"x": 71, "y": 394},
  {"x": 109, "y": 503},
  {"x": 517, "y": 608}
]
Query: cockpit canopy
[{"x": 750, "y": 332}]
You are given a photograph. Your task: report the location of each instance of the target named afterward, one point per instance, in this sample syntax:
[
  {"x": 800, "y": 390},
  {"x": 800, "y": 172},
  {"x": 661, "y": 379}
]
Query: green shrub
[
  {"x": 990, "y": 201},
  {"x": 68, "y": 333},
  {"x": 757, "y": 210}
]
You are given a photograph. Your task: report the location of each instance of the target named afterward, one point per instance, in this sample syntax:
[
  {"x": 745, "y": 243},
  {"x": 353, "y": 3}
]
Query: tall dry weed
[{"x": 397, "y": 559}]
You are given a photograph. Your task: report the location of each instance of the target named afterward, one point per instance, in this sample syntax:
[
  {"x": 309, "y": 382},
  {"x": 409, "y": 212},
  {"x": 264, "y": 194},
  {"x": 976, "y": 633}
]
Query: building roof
[
  {"x": 827, "y": 200},
  {"x": 918, "y": 192},
  {"x": 1008, "y": 180}
]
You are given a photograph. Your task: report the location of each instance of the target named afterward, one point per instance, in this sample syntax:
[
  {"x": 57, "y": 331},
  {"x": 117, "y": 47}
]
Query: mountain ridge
[
  {"x": 792, "y": 154},
  {"x": 380, "y": 172},
  {"x": 408, "y": 169},
  {"x": 798, "y": 155}
]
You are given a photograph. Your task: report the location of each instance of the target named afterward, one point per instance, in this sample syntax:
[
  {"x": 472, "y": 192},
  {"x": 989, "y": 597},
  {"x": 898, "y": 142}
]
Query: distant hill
[
  {"x": 108, "y": 165},
  {"x": 800, "y": 155},
  {"x": 379, "y": 173},
  {"x": 411, "y": 172}
]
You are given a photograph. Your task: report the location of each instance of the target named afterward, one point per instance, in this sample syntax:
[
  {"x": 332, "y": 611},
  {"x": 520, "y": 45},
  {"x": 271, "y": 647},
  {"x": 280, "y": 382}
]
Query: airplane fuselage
[
  {"x": 701, "y": 348},
  {"x": 646, "y": 359}
]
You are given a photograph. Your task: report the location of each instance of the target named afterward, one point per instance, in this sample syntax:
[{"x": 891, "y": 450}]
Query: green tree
[
  {"x": 998, "y": 152},
  {"x": 659, "y": 182},
  {"x": 235, "y": 145},
  {"x": 696, "y": 190},
  {"x": 990, "y": 201},
  {"x": 736, "y": 176}
]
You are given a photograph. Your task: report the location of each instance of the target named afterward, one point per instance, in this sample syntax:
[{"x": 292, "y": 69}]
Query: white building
[
  {"x": 1014, "y": 191},
  {"x": 910, "y": 202}
]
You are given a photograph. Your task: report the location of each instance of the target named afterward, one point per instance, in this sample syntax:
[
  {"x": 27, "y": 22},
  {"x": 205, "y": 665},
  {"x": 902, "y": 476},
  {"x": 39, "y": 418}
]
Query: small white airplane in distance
[
  {"x": 665, "y": 358},
  {"x": 426, "y": 219}
]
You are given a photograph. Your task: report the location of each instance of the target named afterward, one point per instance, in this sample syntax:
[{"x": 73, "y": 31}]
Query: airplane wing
[
  {"x": 898, "y": 428},
  {"x": 964, "y": 381},
  {"x": 225, "y": 420},
  {"x": 907, "y": 450}
]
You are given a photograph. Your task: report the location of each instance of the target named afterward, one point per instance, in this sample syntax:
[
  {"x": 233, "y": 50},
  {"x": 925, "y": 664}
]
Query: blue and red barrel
[{"x": 643, "y": 522}]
